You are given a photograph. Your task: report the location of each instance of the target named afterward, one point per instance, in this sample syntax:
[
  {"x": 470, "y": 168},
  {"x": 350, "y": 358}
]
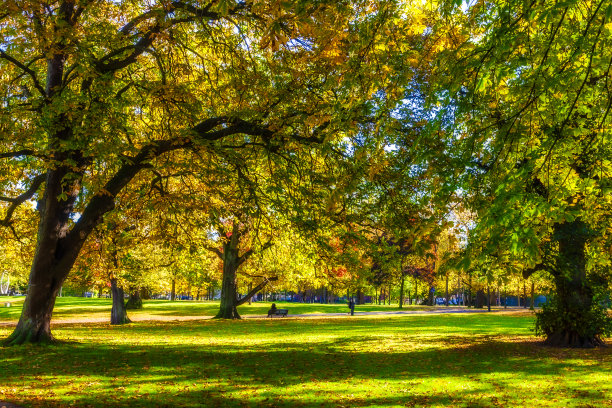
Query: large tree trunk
[
  {"x": 118, "y": 311},
  {"x": 56, "y": 252},
  {"x": 35, "y": 322},
  {"x": 574, "y": 300},
  {"x": 231, "y": 262},
  {"x": 229, "y": 299}
]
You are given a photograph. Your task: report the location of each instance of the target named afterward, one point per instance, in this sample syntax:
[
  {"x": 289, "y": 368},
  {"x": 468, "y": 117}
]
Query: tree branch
[
  {"x": 250, "y": 252},
  {"x": 204, "y": 130},
  {"x": 149, "y": 36},
  {"x": 215, "y": 250},
  {"x": 19, "y": 153},
  {"x": 25, "y": 69},
  {"x": 17, "y": 201},
  {"x": 256, "y": 289},
  {"x": 104, "y": 200},
  {"x": 530, "y": 271}
]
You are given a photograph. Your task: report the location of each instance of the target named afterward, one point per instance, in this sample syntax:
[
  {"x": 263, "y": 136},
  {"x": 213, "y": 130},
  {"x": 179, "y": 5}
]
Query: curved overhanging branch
[
  {"x": 530, "y": 271},
  {"x": 256, "y": 289},
  {"x": 17, "y": 201},
  {"x": 104, "y": 200}
]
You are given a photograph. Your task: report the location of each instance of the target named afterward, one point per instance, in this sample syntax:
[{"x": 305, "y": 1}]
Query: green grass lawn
[
  {"x": 458, "y": 360},
  {"x": 67, "y": 308}
]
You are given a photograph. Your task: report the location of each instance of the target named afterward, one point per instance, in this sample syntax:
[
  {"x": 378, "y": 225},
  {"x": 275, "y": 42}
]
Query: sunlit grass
[{"x": 455, "y": 360}]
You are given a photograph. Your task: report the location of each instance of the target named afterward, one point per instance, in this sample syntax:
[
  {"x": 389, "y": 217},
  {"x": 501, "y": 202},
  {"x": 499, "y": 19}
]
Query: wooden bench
[{"x": 278, "y": 312}]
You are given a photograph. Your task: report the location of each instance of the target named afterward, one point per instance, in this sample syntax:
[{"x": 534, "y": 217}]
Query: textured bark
[
  {"x": 118, "y": 311},
  {"x": 35, "y": 322},
  {"x": 228, "y": 308},
  {"x": 574, "y": 294},
  {"x": 56, "y": 252}
]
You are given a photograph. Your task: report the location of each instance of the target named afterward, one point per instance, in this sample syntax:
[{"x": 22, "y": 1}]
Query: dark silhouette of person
[{"x": 272, "y": 310}]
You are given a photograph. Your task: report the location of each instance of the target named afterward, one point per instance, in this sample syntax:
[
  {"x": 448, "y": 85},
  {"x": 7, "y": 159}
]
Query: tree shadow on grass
[{"x": 271, "y": 372}]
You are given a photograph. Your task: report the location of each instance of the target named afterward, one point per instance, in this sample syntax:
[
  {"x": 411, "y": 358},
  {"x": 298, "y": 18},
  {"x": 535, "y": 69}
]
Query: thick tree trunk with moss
[
  {"x": 118, "y": 311},
  {"x": 35, "y": 322},
  {"x": 572, "y": 320}
]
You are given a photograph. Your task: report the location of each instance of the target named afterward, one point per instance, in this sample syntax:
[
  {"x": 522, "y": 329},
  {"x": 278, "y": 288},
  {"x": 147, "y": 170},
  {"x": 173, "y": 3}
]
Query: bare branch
[
  {"x": 25, "y": 69},
  {"x": 217, "y": 251},
  {"x": 19, "y": 153},
  {"x": 17, "y": 201},
  {"x": 256, "y": 289}
]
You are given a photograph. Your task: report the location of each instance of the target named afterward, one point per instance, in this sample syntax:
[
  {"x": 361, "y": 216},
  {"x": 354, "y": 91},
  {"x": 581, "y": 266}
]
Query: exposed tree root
[
  {"x": 29, "y": 333},
  {"x": 228, "y": 314},
  {"x": 574, "y": 340},
  {"x": 124, "y": 320}
]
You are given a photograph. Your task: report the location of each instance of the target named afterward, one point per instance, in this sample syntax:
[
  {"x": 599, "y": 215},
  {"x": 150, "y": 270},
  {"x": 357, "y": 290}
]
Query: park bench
[{"x": 278, "y": 312}]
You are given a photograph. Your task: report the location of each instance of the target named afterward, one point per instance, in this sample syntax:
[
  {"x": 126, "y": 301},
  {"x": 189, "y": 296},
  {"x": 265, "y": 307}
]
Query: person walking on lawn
[{"x": 351, "y": 305}]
